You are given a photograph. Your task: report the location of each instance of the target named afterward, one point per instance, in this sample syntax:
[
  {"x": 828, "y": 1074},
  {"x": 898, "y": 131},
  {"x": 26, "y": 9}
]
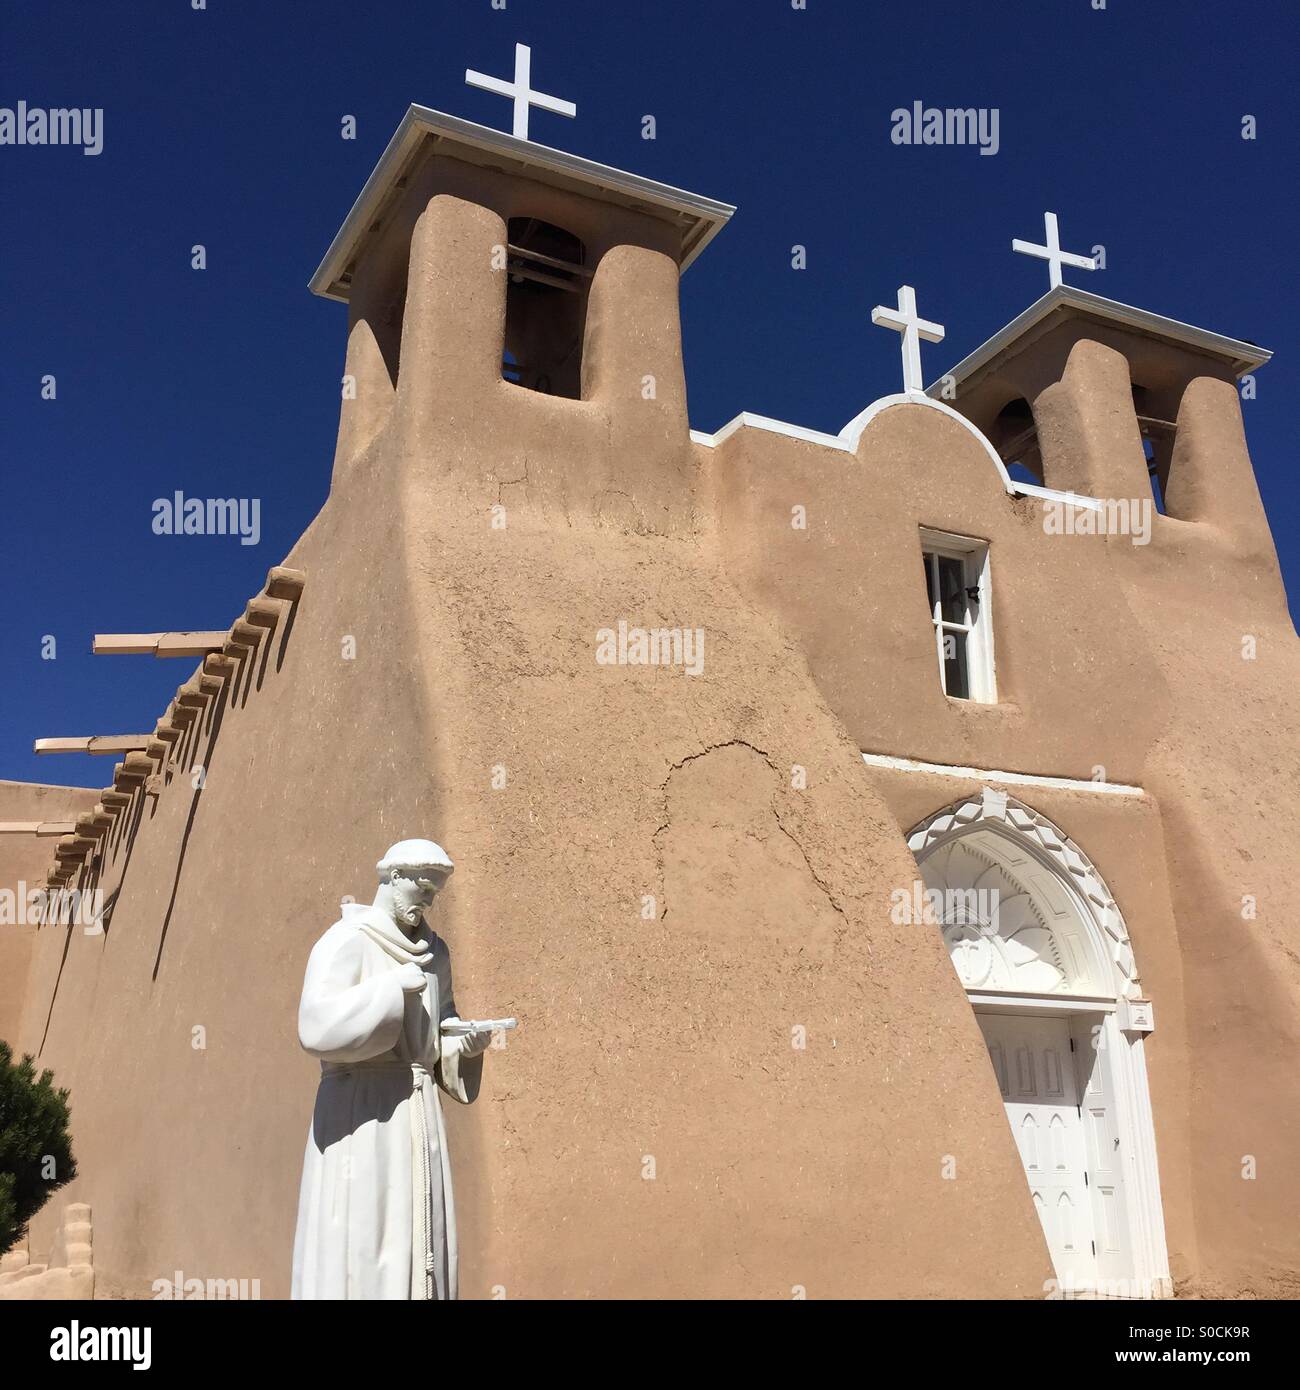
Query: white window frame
[{"x": 973, "y": 556}]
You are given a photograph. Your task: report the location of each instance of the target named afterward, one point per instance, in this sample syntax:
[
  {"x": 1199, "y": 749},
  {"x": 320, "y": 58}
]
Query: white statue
[{"x": 375, "y": 1213}]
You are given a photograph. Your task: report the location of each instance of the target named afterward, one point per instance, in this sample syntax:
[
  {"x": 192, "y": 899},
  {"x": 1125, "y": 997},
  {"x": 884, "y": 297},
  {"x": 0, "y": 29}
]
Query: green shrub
[{"x": 35, "y": 1150}]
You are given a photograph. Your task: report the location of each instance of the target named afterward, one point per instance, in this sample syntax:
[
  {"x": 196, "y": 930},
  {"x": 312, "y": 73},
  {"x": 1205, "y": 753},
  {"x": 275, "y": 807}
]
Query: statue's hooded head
[{"x": 414, "y": 872}]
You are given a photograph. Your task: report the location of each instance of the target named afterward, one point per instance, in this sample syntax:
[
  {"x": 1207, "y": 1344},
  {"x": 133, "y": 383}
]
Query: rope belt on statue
[{"x": 422, "y": 1253}]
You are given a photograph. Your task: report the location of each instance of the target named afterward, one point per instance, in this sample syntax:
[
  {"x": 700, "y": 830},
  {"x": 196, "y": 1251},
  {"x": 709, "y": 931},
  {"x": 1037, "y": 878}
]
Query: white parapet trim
[
  {"x": 762, "y": 422},
  {"x": 852, "y": 432},
  {"x": 1015, "y": 779},
  {"x": 847, "y": 442}
]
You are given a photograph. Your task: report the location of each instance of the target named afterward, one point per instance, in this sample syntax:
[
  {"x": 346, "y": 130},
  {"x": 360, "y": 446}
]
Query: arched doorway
[{"x": 1044, "y": 955}]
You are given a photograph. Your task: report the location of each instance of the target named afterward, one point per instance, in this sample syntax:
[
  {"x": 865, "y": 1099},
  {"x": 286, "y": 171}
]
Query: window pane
[
  {"x": 928, "y": 561},
  {"x": 956, "y": 671},
  {"x": 952, "y": 585}
]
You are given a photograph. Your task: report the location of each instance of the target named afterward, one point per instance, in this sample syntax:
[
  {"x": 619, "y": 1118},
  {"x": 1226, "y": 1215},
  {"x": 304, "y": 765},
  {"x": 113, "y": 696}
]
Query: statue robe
[{"x": 376, "y": 1218}]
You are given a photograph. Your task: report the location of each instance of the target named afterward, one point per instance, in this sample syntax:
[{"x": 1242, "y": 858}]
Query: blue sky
[{"x": 222, "y": 127}]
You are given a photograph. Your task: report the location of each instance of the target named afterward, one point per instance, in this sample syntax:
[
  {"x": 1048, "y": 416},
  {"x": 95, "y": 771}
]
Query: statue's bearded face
[{"x": 412, "y": 896}]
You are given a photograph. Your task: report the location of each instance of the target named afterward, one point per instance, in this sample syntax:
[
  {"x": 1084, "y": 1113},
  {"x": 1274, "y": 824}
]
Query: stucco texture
[{"x": 733, "y": 1075}]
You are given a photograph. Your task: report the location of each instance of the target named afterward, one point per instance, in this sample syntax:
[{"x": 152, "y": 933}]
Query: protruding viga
[
  {"x": 261, "y": 612},
  {"x": 136, "y": 765},
  {"x": 285, "y": 583}
]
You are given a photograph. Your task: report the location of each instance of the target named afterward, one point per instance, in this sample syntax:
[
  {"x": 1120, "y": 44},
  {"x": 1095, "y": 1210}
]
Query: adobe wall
[
  {"x": 627, "y": 782},
  {"x": 24, "y": 860},
  {"x": 1127, "y": 663},
  {"x": 190, "y": 1144},
  {"x": 651, "y": 1129},
  {"x": 666, "y": 1038},
  {"x": 675, "y": 1034},
  {"x": 1124, "y": 836},
  {"x": 1038, "y": 360},
  {"x": 851, "y": 588},
  {"x": 1225, "y": 771}
]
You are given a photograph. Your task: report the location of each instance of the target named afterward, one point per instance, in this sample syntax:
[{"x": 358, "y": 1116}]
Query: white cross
[
  {"x": 905, "y": 321},
  {"x": 1052, "y": 253},
  {"x": 520, "y": 92}
]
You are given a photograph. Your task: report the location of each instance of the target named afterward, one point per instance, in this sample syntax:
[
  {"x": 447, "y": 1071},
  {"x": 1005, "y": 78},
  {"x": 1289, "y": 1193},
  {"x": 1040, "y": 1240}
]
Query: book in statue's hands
[{"x": 462, "y": 1027}]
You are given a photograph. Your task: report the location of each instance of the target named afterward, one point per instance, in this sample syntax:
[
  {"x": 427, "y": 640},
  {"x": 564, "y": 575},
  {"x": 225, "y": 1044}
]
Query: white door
[
  {"x": 1095, "y": 1041},
  {"x": 1032, "y": 1060}
]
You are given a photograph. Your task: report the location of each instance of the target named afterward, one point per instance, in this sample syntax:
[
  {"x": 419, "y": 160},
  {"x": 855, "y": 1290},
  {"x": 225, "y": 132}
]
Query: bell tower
[
  {"x": 1097, "y": 397},
  {"x": 513, "y": 317}
]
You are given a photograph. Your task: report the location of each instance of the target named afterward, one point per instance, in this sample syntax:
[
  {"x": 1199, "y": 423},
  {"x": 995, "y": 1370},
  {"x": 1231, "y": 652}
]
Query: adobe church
[{"x": 876, "y": 835}]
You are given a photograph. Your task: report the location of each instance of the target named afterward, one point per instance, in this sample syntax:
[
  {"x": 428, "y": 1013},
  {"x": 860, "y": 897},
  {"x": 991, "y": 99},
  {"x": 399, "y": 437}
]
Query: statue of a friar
[{"x": 375, "y": 1213}]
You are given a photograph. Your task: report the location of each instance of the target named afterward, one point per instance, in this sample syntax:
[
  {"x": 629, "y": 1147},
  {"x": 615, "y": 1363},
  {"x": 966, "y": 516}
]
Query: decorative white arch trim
[
  {"x": 999, "y": 811},
  {"x": 852, "y": 432},
  {"x": 1139, "y": 1268}
]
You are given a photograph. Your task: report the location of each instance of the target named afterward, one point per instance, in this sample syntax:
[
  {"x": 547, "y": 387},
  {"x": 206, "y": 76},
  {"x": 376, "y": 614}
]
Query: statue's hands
[
  {"x": 410, "y": 977},
  {"x": 474, "y": 1043}
]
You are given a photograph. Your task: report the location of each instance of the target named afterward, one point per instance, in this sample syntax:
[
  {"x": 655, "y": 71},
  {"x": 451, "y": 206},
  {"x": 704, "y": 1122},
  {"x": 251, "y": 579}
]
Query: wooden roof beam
[
  {"x": 157, "y": 643},
  {"x": 95, "y": 744}
]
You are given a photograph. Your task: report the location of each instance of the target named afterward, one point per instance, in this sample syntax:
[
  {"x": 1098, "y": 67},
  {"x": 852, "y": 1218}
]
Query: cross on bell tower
[
  {"x": 520, "y": 91},
  {"x": 1052, "y": 253},
  {"x": 906, "y": 321}
]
